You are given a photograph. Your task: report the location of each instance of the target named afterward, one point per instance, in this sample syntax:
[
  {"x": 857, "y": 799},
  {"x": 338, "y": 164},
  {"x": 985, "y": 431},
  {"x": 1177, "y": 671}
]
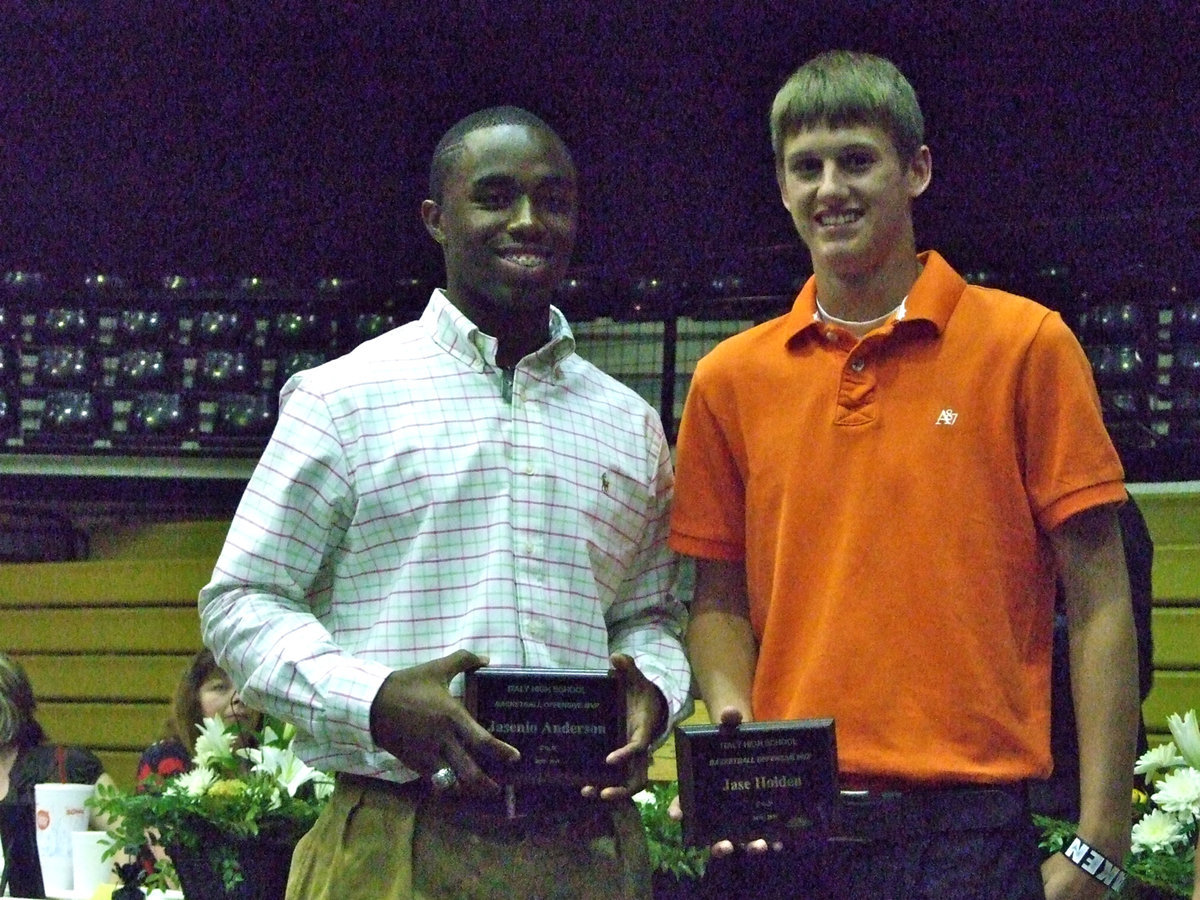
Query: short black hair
[{"x": 449, "y": 148}]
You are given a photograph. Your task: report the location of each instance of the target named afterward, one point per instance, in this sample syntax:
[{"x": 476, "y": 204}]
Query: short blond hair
[{"x": 842, "y": 87}]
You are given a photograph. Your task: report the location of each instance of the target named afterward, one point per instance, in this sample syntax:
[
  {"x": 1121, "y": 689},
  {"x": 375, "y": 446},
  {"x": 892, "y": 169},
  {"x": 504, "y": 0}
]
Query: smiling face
[
  {"x": 850, "y": 197},
  {"x": 506, "y": 222}
]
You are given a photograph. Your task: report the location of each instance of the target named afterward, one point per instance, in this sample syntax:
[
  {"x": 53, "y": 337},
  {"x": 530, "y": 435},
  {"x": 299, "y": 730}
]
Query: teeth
[
  {"x": 844, "y": 218},
  {"x": 528, "y": 260}
]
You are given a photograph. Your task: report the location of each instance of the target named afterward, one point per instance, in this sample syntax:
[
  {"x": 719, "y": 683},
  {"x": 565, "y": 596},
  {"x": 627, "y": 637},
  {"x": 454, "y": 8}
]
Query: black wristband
[{"x": 1096, "y": 864}]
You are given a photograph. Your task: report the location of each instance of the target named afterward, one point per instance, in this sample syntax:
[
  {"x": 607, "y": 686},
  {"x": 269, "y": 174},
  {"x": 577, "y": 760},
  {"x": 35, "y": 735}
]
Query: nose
[
  {"x": 831, "y": 182},
  {"x": 235, "y": 700},
  {"x": 524, "y": 215}
]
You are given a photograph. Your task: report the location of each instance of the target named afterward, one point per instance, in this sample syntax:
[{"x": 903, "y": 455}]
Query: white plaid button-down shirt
[{"x": 405, "y": 507}]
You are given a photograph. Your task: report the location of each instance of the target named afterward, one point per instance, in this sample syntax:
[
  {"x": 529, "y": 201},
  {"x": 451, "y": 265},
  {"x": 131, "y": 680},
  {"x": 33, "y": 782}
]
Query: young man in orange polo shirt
[{"x": 879, "y": 489}]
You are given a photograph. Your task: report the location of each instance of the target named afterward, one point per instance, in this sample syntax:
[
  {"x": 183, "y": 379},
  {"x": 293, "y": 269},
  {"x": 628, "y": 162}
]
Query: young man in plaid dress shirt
[{"x": 463, "y": 490}]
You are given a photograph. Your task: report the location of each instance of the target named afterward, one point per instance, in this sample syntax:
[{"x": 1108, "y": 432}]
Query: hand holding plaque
[
  {"x": 771, "y": 780},
  {"x": 565, "y": 722},
  {"x": 416, "y": 718}
]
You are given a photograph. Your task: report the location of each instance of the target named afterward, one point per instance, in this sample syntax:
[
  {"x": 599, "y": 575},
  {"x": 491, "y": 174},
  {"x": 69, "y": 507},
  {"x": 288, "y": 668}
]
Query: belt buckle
[{"x": 865, "y": 816}]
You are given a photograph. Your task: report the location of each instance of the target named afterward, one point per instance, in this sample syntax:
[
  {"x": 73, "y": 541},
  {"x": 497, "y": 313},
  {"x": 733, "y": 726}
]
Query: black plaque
[
  {"x": 773, "y": 780},
  {"x": 564, "y": 722}
]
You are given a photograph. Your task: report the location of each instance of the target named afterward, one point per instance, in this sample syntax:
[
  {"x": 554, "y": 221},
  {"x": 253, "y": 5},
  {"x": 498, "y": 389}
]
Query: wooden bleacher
[
  {"x": 1172, "y": 513},
  {"x": 104, "y": 640}
]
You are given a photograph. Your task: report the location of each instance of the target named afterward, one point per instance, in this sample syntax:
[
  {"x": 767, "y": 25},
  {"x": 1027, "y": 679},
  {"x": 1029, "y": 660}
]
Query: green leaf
[{"x": 664, "y": 836}]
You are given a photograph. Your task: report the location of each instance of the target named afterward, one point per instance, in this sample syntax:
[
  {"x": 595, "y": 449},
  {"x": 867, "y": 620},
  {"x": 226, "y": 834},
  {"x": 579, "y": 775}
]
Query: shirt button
[
  {"x": 858, "y": 365},
  {"x": 529, "y": 549},
  {"x": 529, "y": 470}
]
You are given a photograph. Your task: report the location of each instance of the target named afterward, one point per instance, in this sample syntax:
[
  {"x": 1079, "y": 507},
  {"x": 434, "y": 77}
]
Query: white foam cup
[
  {"x": 59, "y": 811},
  {"x": 88, "y": 870}
]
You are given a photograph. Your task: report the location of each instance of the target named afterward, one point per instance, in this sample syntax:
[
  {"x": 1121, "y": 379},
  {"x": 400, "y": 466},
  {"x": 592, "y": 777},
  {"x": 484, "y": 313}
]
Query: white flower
[
  {"x": 643, "y": 798},
  {"x": 283, "y": 765},
  {"x": 273, "y": 738},
  {"x": 1158, "y": 759},
  {"x": 215, "y": 743},
  {"x": 1187, "y": 736},
  {"x": 276, "y": 799},
  {"x": 288, "y": 734},
  {"x": 1157, "y": 830},
  {"x": 323, "y": 786},
  {"x": 1179, "y": 793},
  {"x": 194, "y": 783}
]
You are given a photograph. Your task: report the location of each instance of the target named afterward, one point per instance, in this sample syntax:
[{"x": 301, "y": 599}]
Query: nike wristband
[{"x": 1096, "y": 864}]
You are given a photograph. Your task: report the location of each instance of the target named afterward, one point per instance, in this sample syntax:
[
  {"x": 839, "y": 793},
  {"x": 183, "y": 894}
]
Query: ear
[
  {"x": 920, "y": 172},
  {"x": 431, "y": 215},
  {"x": 779, "y": 182}
]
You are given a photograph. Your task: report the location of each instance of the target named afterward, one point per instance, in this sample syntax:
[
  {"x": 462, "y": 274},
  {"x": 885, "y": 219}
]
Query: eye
[
  {"x": 858, "y": 160},
  {"x": 806, "y": 167},
  {"x": 493, "y": 198},
  {"x": 493, "y": 193}
]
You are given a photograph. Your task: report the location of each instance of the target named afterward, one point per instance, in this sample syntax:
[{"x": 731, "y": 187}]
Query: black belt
[
  {"x": 892, "y": 815},
  {"x": 518, "y": 804}
]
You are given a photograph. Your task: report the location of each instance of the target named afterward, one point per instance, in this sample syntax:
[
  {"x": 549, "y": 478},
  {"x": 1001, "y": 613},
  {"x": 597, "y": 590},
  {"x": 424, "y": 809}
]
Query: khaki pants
[{"x": 378, "y": 843}]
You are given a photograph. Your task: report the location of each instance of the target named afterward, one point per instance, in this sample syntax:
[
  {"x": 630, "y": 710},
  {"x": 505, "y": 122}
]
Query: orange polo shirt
[{"x": 891, "y": 498}]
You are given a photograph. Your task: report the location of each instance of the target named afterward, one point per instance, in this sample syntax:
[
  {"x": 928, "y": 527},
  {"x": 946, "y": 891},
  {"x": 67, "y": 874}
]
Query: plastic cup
[
  {"x": 88, "y": 870},
  {"x": 59, "y": 811}
]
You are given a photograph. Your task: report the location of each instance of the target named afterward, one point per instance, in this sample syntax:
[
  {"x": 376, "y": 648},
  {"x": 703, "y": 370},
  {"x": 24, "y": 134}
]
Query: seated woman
[
  {"x": 204, "y": 691},
  {"x": 27, "y": 758}
]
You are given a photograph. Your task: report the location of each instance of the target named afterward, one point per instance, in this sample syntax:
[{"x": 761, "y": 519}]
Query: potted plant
[
  {"x": 230, "y": 823},
  {"x": 677, "y": 869},
  {"x": 1162, "y": 856}
]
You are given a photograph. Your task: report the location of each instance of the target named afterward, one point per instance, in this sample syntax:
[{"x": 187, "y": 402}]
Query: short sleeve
[
  {"x": 708, "y": 516},
  {"x": 161, "y": 761},
  {"x": 1070, "y": 462}
]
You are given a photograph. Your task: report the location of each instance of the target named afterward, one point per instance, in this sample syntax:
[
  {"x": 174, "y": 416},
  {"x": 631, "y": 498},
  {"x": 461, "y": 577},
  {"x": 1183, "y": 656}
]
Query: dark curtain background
[{"x": 291, "y": 140}]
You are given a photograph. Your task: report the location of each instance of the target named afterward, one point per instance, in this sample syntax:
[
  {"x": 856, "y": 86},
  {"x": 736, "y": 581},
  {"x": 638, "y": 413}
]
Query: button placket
[
  {"x": 530, "y": 476},
  {"x": 856, "y": 389}
]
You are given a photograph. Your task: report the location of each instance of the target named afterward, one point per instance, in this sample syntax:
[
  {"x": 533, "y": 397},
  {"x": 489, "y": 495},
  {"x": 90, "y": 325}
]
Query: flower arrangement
[
  {"x": 664, "y": 835},
  {"x": 1162, "y": 855},
  {"x": 233, "y": 794}
]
